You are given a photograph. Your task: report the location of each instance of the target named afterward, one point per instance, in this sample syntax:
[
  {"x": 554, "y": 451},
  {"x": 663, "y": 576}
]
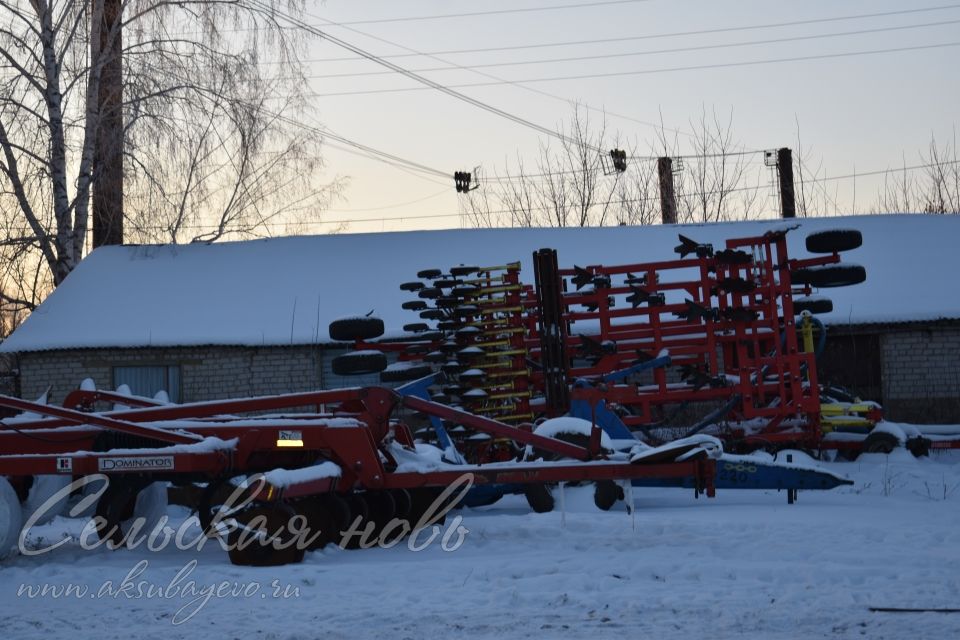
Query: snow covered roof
[{"x": 285, "y": 291}]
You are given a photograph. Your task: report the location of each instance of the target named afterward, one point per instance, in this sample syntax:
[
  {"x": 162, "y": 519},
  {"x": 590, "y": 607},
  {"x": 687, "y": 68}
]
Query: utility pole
[
  {"x": 668, "y": 199},
  {"x": 788, "y": 207},
  {"x": 108, "y": 146}
]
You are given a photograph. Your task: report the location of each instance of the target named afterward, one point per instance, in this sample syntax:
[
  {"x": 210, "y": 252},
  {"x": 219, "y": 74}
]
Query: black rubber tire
[
  {"x": 352, "y": 329},
  {"x": 429, "y": 273},
  {"x": 358, "y": 509},
  {"x": 539, "y": 497},
  {"x": 403, "y": 375},
  {"x": 881, "y": 442},
  {"x": 416, "y": 327},
  {"x": 359, "y": 363},
  {"x": 433, "y": 314},
  {"x": 813, "y": 305},
  {"x": 383, "y": 509},
  {"x": 830, "y": 276},
  {"x": 605, "y": 494},
  {"x": 416, "y": 285},
  {"x": 414, "y": 305},
  {"x": 255, "y": 554},
  {"x": 322, "y": 524},
  {"x": 834, "y": 240},
  {"x": 462, "y": 270}
]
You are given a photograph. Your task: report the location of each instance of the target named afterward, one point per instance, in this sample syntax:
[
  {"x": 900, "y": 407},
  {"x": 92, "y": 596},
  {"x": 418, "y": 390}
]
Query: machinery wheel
[
  {"x": 416, "y": 285},
  {"x": 126, "y": 503},
  {"x": 836, "y": 275},
  {"x": 813, "y": 305},
  {"x": 272, "y": 522},
  {"x": 358, "y": 509},
  {"x": 539, "y": 497},
  {"x": 880, "y": 442},
  {"x": 834, "y": 240},
  {"x": 352, "y": 329},
  {"x": 408, "y": 373},
  {"x": 11, "y": 518},
  {"x": 44, "y": 487},
  {"x": 421, "y": 501},
  {"x": 323, "y": 525},
  {"x": 359, "y": 363},
  {"x": 383, "y": 509},
  {"x": 606, "y": 493}
]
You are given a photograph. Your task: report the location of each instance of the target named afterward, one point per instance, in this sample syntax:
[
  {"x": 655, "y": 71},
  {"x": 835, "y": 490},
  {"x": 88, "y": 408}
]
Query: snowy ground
[{"x": 743, "y": 563}]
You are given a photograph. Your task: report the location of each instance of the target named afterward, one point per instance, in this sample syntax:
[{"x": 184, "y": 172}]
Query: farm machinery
[
  {"x": 640, "y": 348},
  {"x": 278, "y": 475},
  {"x": 631, "y": 375}
]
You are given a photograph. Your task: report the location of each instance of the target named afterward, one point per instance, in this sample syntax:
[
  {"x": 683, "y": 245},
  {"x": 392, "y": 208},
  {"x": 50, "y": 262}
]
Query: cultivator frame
[
  {"x": 210, "y": 442},
  {"x": 725, "y": 320}
]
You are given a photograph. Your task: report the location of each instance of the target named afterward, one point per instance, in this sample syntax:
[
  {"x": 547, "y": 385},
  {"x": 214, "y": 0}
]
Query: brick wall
[
  {"x": 921, "y": 374},
  {"x": 207, "y": 373}
]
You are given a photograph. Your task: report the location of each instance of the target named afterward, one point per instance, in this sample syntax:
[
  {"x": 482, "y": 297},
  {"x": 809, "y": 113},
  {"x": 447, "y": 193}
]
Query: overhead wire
[
  {"x": 629, "y": 54},
  {"x": 416, "y": 77},
  {"x": 621, "y": 200},
  {"x": 612, "y": 74}
]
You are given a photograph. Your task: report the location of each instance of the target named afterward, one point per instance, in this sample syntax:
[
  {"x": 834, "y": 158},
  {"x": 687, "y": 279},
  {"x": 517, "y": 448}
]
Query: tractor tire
[
  {"x": 836, "y": 275},
  {"x": 834, "y": 240},
  {"x": 359, "y": 363},
  {"x": 11, "y": 518},
  {"x": 322, "y": 524},
  {"x": 539, "y": 497},
  {"x": 880, "y": 442},
  {"x": 245, "y": 549},
  {"x": 405, "y": 375},
  {"x": 813, "y": 305},
  {"x": 44, "y": 487},
  {"x": 126, "y": 503},
  {"x": 353, "y": 329},
  {"x": 606, "y": 493}
]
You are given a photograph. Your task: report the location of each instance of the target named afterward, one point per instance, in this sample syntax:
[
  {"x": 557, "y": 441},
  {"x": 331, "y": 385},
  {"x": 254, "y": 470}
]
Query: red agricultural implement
[
  {"x": 337, "y": 458},
  {"x": 712, "y": 330}
]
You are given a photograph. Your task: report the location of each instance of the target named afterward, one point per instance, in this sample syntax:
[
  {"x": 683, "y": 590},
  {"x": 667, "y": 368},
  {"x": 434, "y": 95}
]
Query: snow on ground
[{"x": 742, "y": 563}]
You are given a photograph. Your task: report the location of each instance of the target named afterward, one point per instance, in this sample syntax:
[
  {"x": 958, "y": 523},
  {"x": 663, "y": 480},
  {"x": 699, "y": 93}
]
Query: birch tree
[{"x": 208, "y": 150}]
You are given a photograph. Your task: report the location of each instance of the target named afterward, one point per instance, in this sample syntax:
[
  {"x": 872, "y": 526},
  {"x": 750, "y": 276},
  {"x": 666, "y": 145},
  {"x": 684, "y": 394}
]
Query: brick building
[{"x": 248, "y": 318}]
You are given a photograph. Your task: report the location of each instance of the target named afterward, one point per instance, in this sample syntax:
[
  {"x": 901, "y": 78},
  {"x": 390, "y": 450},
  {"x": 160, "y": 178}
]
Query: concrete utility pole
[
  {"x": 788, "y": 207},
  {"x": 668, "y": 199},
  {"x": 108, "y": 150}
]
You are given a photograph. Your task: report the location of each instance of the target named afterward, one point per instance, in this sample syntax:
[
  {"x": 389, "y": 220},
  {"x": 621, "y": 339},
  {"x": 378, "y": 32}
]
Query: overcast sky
[{"x": 856, "y": 113}]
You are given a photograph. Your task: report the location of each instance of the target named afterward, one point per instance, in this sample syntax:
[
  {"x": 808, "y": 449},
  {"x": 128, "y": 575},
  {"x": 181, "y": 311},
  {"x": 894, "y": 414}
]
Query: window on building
[{"x": 147, "y": 381}]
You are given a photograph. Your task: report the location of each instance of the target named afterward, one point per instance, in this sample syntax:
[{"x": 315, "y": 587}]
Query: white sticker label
[
  {"x": 64, "y": 465},
  {"x": 152, "y": 463},
  {"x": 290, "y": 435}
]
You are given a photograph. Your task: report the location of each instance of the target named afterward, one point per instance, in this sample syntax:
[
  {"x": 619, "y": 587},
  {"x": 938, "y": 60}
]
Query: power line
[
  {"x": 629, "y": 54},
  {"x": 622, "y": 200},
  {"x": 613, "y": 74},
  {"x": 421, "y": 79},
  {"x": 474, "y": 14},
  {"x": 650, "y": 36}
]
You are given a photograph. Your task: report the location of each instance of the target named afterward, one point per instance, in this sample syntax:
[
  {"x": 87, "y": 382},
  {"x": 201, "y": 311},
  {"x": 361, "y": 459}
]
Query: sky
[{"x": 856, "y": 113}]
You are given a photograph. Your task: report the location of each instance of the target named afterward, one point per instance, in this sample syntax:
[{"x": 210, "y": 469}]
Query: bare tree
[
  {"x": 713, "y": 184},
  {"x": 935, "y": 188},
  {"x": 207, "y": 151},
  {"x": 568, "y": 187}
]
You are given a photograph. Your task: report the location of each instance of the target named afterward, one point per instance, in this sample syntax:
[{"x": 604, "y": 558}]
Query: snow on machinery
[
  {"x": 348, "y": 464},
  {"x": 717, "y": 341}
]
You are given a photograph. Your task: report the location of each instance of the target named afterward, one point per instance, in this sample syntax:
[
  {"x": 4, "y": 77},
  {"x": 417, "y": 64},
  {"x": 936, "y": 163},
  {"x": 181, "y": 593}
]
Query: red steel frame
[
  {"x": 759, "y": 357},
  {"x": 353, "y": 437}
]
